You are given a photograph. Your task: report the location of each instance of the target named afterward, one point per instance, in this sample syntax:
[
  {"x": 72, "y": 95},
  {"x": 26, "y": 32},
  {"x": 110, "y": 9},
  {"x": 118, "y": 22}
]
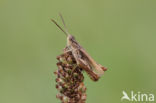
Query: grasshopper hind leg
[
  {"x": 85, "y": 66},
  {"x": 81, "y": 62}
]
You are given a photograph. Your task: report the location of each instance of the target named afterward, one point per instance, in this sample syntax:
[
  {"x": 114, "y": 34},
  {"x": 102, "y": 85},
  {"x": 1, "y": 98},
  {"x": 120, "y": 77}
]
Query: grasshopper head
[{"x": 70, "y": 39}]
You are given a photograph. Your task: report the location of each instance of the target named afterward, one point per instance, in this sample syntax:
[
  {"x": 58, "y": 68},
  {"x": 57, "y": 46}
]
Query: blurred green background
[{"x": 119, "y": 34}]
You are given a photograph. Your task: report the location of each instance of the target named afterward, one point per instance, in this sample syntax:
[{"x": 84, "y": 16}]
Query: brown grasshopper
[{"x": 83, "y": 59}]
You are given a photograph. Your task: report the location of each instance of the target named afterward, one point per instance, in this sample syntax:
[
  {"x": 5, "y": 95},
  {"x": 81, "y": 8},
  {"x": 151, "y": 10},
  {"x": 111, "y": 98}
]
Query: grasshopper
[{"x": 83, "y": 59}]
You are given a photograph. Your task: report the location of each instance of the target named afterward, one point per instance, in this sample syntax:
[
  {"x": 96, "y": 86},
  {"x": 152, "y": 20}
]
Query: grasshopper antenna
[
  {"x": 65, "y": 32},
  {"x": 63, "y": 23}
]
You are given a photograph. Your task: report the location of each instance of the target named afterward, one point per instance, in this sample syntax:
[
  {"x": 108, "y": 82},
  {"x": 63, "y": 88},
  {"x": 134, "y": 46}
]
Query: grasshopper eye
[{"x": 71, "y": 37}]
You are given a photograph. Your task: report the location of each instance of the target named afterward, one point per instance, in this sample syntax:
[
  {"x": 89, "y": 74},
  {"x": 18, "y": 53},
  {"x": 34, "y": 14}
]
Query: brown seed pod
[{"x": 69, "y": 80}]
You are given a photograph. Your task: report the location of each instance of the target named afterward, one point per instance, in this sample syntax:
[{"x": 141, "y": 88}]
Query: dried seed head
[{"x": 69, "y": 80}]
